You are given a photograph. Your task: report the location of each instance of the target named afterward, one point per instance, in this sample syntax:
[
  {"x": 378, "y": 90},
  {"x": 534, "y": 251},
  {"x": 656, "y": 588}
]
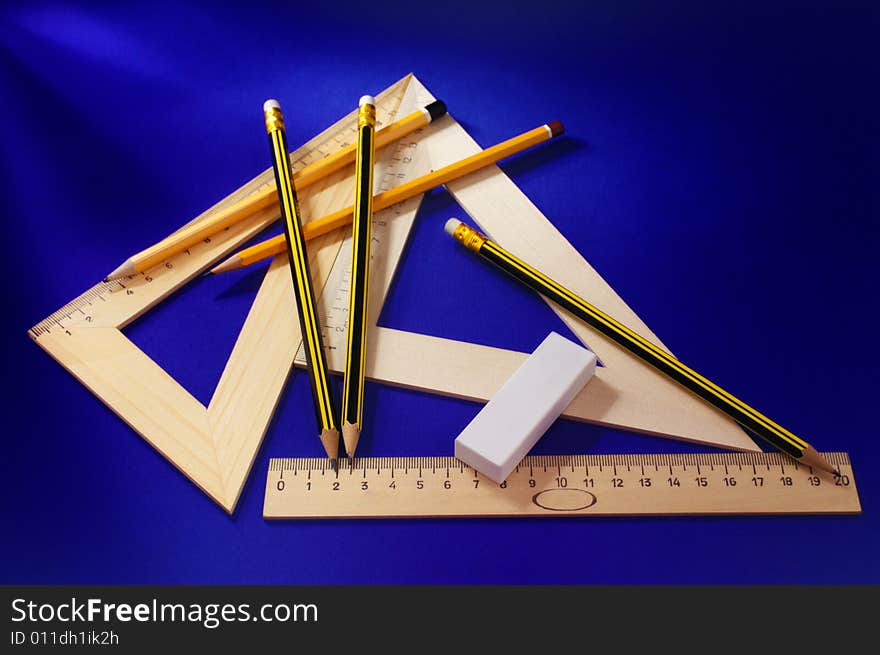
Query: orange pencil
[
  {"x": 251, "y": 204},
  {"x": 343, "y": 217}
]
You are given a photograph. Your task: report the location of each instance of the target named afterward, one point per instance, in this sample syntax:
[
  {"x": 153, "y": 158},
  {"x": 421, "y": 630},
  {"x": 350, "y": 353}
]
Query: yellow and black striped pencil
[
  {"x": 316, "y": 360},
  {"x": 359, "y": 294},
  {"x": 748, "y": 417}
]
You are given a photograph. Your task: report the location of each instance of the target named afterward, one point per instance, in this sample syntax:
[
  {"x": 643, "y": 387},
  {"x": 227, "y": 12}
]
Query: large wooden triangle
[{"x": 215, "y": 446}]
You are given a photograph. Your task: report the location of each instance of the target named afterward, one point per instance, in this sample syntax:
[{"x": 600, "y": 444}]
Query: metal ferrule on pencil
[
  {"x": 274, "y": 119},
  {"x": 469, "y": 237},
  {"x": 367, "y": 115}
]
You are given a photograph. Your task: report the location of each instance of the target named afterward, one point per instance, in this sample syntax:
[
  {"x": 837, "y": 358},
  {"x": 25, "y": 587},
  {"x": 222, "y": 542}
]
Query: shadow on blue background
[{"x": 719, "y": 170}]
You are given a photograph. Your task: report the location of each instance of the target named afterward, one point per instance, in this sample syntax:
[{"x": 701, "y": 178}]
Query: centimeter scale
[
  {"x": 215, "y": 445},
  {"x": 559, "y": 485}
]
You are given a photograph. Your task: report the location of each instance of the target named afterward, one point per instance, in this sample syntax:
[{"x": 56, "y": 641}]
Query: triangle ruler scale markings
[{"x": 215, "y": 446}]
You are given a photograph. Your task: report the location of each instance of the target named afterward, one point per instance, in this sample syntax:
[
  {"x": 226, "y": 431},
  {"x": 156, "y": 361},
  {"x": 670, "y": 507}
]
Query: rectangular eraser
[{"x": 525, "y": 407}]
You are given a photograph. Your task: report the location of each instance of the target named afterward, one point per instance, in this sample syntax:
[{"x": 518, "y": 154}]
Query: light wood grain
[{"x": 559, "y": 485}]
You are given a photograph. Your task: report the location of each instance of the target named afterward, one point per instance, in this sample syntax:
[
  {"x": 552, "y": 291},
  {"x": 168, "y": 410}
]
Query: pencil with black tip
[
  {"x": 454, "y": 171},
  {"x": 359, "y": 293},
  {"x": 316, "y": 361},
  {"x": 751, "y": 419},
  {"x": 249, "y": 205}
]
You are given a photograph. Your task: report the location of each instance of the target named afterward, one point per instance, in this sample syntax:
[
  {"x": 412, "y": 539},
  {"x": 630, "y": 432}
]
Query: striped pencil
[
  {"x": 316, "y": 360},
  {"x": 748, "y": 417},
  {"x": 359, "y": 294}
]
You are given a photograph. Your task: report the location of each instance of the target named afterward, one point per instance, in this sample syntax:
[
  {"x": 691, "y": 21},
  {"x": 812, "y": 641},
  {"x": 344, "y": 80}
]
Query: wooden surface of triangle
[
  {"x": 213, "y": 446},
  {"x": 625, "y": 393}
]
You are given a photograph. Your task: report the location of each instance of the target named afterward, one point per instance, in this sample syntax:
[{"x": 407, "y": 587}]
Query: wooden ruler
[{"x": 559, "y": 485}]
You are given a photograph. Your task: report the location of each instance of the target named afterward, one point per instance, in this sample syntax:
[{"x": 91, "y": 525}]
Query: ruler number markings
[{"x": 561, "y": 484}]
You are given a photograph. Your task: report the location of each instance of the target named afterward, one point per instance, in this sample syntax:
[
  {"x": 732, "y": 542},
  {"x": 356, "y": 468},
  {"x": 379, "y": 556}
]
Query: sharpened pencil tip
[
  {"x": 351, "y": 432},
  {"x": 330, "y": 440},
  {"x": 230, "y": 264},
  {"x": 127, "y": 269},
  {"x": 812, "y": 458}
]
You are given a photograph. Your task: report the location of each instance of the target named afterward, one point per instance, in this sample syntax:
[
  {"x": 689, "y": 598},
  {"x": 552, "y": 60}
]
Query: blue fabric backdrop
[{"x": 719, "y": 170}]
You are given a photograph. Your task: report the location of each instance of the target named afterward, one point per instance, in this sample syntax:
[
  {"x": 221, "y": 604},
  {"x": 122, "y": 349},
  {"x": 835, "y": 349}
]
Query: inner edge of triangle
[
  {"x": 299, "y": 359},
  {"x": 635, "y": 428},
  {"x": 396, "y": 93},
  {"x": 225, "y": 499}
]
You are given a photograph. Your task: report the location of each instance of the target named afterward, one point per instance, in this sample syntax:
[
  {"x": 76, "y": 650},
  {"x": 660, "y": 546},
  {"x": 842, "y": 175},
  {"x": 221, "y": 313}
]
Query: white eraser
[
  {"x": 271, "y": 103},
  {"x": 451, "y": 226},
  {"x": 367, "y": 100},
  {"x": 525, "y": 407}
]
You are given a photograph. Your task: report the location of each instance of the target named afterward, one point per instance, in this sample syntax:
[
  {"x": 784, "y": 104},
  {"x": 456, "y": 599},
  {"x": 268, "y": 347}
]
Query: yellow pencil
[
  {"x": 251, "y": 204},
  {"x": 750, "y": 418},
  {"x": 359, "y": 294},
  {"x": 312, "y": 229},
  {"x": 316, "y": 360}
]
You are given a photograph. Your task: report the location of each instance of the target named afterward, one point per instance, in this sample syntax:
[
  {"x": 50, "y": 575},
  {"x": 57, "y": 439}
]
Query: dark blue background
[{"x": 719, "y": 170}]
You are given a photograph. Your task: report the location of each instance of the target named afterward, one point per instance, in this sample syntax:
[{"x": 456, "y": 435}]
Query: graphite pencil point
[{"x": 126, "y": 269}]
